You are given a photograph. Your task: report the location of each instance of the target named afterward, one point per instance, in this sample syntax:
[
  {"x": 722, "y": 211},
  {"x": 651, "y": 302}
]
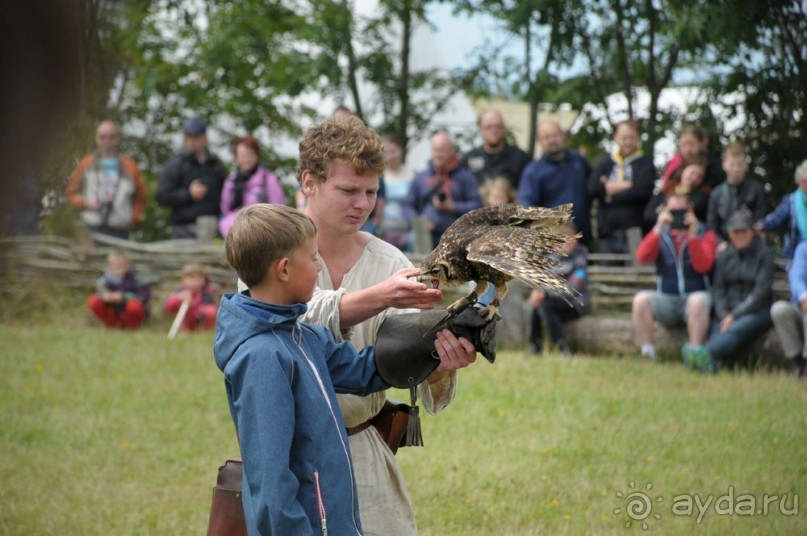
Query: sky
[{"x": 458, "y": 35}]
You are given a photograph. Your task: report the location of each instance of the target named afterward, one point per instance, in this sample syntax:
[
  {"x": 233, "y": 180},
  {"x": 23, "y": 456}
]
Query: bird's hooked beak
[{"x": 428, "y": 278}]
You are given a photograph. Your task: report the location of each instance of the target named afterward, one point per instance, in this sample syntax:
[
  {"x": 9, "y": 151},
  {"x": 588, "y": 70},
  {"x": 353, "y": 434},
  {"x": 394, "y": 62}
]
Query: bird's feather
[
  {"x": 500, "y": 243},
  {"x": 521, "y": 253}
]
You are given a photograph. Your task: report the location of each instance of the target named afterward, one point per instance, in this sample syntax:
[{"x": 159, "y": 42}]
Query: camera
[
  {"x": 106, "y": 211},
  {"x": 678, "y": 217},
  {"x": 442, "y": 197}
]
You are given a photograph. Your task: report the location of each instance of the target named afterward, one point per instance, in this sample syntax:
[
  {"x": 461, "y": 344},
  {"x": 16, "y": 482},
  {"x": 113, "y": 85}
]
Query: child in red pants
[
  {"x": 196, "y": 288},
  {"x": 121, "y": 298}
]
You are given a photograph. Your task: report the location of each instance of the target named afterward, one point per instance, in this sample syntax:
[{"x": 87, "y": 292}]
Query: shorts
[{"x": 671, "y": 309}]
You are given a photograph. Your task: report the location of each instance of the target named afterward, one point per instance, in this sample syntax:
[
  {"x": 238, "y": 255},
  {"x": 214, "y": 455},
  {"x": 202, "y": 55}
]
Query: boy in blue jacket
[{"x": 282, "y": 376}]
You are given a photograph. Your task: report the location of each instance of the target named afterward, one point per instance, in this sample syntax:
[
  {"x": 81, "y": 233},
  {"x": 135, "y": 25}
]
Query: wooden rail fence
[{"x": 78, "y": 263}]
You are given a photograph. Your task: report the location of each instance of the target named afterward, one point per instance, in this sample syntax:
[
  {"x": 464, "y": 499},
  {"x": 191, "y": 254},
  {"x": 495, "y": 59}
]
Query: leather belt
[{"x": 353, "y": 430}]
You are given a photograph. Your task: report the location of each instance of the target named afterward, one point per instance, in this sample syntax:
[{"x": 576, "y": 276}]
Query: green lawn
[{"x": 121, "y": 433}]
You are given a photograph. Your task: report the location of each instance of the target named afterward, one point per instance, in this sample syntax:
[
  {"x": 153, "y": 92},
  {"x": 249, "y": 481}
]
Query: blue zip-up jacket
[
  {"x": 675, "y": 272},
  {"x": 784, "y": 214},
  {"x": 797, "y": 274},
  {"x": 281, "y": 377},
  {"x": 546, "y": 183}
]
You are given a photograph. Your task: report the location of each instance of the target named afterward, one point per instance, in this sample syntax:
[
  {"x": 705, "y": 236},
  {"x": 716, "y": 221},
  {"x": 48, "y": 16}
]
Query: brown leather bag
[
  {"x": 391, "y": 424},
  {"x": 226, "y": 510}
]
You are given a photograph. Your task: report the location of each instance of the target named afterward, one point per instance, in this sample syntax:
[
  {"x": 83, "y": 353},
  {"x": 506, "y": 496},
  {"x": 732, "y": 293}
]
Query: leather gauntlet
[{"x": 404, "y": 349}]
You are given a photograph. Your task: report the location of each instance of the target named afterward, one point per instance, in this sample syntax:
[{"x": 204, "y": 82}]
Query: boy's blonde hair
[
  {"x": 501, "y": 184},
  {"x": 346, "y": 140},
  {"x": 735, "y": 150},
  {"x": 118, "y": 255},
  {"x": 262, "y": 234},
  {"x": 194, "y": 268}
]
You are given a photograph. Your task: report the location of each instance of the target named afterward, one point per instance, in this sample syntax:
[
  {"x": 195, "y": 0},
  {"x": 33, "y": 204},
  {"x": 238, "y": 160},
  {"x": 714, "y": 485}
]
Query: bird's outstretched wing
[
  {"x": 514, "y": 214},
  {"x": 537, "y": 217},
  {"x": 522, "y": 253}
]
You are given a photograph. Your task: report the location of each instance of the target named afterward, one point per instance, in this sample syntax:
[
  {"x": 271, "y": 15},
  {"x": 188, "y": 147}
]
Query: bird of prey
[{"x": 493, "y": 245}]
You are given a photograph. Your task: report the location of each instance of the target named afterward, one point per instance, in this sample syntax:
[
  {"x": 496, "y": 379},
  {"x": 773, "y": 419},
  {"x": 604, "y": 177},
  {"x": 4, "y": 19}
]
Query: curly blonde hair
[{"x": 347, "y": 140}]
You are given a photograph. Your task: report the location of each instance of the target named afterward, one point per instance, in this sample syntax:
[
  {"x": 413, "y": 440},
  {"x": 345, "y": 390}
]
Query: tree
[
  {"x": 763, "y": 52},
  {"x": 405, "y": 99},
  {"x": 545, "y": 25},
  {"x": 629, "y": 45}
]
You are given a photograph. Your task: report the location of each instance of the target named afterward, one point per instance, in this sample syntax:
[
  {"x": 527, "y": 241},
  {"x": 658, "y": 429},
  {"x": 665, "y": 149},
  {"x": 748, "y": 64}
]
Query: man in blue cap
[{"x": 191, "y": 182}]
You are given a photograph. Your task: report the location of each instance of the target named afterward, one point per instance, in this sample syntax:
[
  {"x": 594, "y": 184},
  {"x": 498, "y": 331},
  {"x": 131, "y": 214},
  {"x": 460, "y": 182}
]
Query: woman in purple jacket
[{"x": 249, "y": 184}]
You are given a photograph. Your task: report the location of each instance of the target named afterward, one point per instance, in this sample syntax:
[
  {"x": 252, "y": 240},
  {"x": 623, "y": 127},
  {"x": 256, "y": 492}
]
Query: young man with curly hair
[{"x": 362, "y": 280}]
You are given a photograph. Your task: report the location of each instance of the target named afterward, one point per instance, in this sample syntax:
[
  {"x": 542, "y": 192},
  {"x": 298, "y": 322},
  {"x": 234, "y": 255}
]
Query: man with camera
[
  {"x": 684, "y": 253},
  {"x": 106, "y": 186},
  {"x": 444, "y": 191}
]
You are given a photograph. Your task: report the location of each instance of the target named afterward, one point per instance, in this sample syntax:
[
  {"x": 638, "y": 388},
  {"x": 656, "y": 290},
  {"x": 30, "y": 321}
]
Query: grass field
[{"x": 122, "y": 433}]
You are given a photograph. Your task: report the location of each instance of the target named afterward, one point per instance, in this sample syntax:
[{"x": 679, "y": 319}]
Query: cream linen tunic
[{"x": 384, "y": 503}]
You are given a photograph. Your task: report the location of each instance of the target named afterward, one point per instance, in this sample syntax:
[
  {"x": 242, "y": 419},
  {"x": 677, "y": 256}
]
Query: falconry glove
[
  {"x": 405, "y": 355},
  {"x": 404, "y": 348}
]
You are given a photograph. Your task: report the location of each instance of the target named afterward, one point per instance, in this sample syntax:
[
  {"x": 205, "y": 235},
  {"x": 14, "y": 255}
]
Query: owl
[{"x": 493, "y": 245}]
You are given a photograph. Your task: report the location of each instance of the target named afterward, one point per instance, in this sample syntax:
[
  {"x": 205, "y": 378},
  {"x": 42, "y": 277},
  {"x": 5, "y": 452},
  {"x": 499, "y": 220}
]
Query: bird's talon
[
  {"x": 490, "y": 312},
  {"x": 459, "y": 305}
]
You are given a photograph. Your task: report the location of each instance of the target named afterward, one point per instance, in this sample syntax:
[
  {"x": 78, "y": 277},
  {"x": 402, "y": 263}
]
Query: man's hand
[
  {"x": 612, "y": 187},
  {"x": 454, "y": 354},
  {"x": 446, "y": 205},
  {"x": 401, "y": 292},
  {"x": 691, "y": 222},
  {"x": 197, "y": 189},
  {"x": 664, "y": 219},
  {"x": 726, "y": 322}
]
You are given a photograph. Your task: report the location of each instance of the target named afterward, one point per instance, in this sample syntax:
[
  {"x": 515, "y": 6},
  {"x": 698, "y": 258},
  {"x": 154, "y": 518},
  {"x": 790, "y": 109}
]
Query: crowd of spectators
[
  {"x": 684, "y": 214},
  {"x": 702, "y": 228}
]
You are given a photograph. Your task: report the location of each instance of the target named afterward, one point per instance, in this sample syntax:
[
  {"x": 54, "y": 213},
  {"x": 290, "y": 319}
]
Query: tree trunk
[
  {"x": 403, "y": 84},
  {"x": 532, "y": 91},
  {"x": 351, "y": 62}
]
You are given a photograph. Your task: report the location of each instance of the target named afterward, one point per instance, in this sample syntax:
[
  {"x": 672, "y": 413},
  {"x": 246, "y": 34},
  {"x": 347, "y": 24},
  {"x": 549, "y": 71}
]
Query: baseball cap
[{"x": 196, "y": 127}]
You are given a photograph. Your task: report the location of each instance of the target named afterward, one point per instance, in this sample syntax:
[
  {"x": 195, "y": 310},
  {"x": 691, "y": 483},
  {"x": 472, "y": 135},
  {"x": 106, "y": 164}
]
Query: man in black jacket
[
  {"x": 736, "y": 192},
  {"x": 623, "y": 184},
  {"x": 495, "y": 158},
  {"x": 191, "y": 182}
]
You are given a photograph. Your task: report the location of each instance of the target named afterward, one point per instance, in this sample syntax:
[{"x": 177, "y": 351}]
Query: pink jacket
[{"x": 262, "y": 187}]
